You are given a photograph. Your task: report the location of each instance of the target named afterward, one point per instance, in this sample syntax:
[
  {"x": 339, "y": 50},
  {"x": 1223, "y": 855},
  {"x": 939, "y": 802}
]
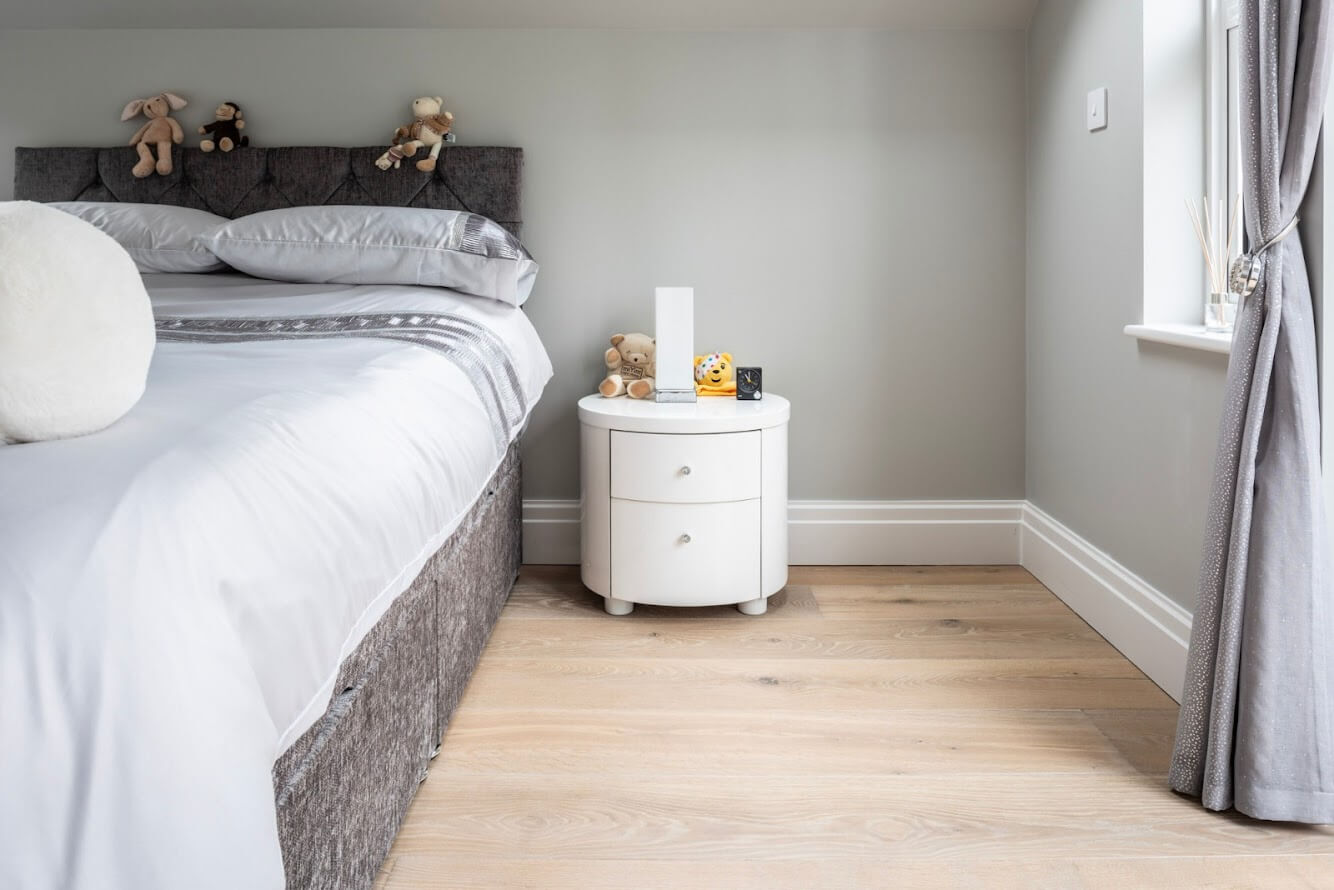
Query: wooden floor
[{"x": 879, "y": 727}]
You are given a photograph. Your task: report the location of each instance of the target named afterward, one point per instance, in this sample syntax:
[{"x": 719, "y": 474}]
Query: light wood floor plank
[
  {"x": 1144, "y": 738},
  {"x": 938, "y": 601},
  {"x": 830, "y": 684},
  {"x": 787, "y": 743},
  {"x": 875, "y": 816},
  {"x": 425, "y": 871},
  {"x": 953, "y": 727},
  {"x": 1058, "y": 636}
]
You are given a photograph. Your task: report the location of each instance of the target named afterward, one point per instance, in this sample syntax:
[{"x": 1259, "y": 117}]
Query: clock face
[{"x": 748, "y": 383}]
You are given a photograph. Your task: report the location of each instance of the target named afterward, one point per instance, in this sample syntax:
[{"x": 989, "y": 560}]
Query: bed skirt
[{"x": 343, "y": 787}]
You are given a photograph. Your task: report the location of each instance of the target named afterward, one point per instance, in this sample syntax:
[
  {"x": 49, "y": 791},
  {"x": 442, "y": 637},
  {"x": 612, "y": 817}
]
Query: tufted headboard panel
[{"x": 480, "y": 179}]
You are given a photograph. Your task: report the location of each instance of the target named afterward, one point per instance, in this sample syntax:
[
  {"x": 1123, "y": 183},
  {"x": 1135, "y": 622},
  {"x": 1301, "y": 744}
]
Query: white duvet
[{"x": 177, "y": 591}]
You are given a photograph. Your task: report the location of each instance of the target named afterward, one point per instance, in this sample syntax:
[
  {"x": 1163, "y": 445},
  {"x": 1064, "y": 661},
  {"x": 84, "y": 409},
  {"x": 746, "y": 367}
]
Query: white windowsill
[{"x": 1190, "y": 336}]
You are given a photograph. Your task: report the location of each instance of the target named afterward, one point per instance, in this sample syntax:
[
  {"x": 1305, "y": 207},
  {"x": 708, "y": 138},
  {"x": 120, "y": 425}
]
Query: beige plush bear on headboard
[
  {"x": 429, "y": 128},
  {"x": 160, "y": 131}
]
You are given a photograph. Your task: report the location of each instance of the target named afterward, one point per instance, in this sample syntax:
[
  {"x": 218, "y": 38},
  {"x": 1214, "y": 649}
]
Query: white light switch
[{"x": 1097, "y": 109}]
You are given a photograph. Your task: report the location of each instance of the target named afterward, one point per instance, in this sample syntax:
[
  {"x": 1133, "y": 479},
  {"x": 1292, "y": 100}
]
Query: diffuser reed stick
[{"x": 1215, "y": 241}]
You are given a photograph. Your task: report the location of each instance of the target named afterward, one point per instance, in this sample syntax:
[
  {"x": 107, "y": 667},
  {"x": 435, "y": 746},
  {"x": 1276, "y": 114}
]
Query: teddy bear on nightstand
[{"x": 630, "y": 367}]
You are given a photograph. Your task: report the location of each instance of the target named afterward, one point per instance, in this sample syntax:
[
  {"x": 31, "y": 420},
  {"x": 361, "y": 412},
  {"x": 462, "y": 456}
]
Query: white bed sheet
[{"x": 177, "y": 591}]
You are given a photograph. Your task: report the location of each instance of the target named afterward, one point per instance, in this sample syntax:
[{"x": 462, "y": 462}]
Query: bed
[{"x": 242, "y": 616}]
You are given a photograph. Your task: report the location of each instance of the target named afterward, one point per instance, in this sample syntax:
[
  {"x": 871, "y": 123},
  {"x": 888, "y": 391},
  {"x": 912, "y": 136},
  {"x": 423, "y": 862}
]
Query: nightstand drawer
[
  {"x": 685, "y": 554},
  {"x": 685, "y": 469}
]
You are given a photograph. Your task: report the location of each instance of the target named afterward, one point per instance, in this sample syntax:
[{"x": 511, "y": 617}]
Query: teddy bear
[
  {"x": 715, "y": 374},
  {"x": 225, "y": 131},
  {"x": 160, "y": 132},
  {"x": 430, "y": 128},
  {"x": 630, "y": 366}
]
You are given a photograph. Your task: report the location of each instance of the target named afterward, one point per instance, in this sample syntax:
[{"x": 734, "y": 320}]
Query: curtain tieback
[{"x": 1244, "y": 276}]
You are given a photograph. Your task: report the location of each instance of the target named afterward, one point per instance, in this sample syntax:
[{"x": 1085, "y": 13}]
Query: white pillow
[
  {"x": 379, "y": 245},
  {"x": 160, "y": 237},
  {"x": 76, "y": 326}
]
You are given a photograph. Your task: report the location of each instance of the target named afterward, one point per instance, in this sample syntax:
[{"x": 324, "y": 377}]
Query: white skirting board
[
  {"x": 551, "y": 533},
  {"x": 1144, "y": 624},
  {"x": 835, "y": 532},
  {"x": 903, "y": 532}
]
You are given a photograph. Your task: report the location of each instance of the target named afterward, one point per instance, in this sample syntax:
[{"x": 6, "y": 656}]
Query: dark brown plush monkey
[{"x": 225, "y": 131}]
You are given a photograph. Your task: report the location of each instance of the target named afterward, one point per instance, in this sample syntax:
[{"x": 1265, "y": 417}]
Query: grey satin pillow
[
  {"x": 159, "y": 237},
  {"x": 378, "y": 245}
]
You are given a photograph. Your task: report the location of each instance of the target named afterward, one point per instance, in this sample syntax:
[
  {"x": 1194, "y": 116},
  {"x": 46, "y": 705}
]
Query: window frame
[
  {"x": 1186, "y": 140},
  {"x": 1222, "y": 124}
]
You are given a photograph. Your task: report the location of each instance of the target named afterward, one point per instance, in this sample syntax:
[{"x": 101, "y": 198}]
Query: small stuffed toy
[
  {"x": 160, "y": 132},
  {"x": 225, "y": 131},
  {"x": 714, "y": 375},
  {"x": 630, "y": 367},
  {"x": 430, "y": 128}
]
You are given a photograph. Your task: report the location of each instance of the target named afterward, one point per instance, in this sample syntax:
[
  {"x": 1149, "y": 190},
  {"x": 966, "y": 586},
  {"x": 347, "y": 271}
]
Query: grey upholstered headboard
[{"x": 485, "y": 180}]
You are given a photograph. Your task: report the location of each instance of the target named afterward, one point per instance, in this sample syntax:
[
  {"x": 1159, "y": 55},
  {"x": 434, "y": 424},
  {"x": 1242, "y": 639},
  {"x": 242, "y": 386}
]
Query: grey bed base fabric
[
  {"x": 343, "y": 787},
  {"x": 479, "y": 179}
]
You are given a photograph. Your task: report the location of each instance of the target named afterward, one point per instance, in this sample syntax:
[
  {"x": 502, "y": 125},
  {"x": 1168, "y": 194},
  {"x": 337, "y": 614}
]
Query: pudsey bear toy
[
  {"x": 430, "y": 126},
  {"x": 630, "y": 367},
  {"x": 715, "y": 375},
  {"x": 160, "y": 132}
]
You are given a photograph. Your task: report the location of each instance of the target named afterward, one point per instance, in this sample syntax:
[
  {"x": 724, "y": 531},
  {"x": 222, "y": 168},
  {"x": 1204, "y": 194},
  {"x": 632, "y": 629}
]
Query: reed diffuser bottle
[{"x": 1217, "y": 245}]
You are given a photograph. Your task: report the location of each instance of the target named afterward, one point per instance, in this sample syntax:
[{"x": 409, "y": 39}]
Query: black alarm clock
[{"x": 748, "y": 384}]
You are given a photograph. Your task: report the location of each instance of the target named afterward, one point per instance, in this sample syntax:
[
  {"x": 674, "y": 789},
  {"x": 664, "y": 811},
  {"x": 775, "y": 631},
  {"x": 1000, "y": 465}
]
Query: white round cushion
[{"x": 76, "y": 326}]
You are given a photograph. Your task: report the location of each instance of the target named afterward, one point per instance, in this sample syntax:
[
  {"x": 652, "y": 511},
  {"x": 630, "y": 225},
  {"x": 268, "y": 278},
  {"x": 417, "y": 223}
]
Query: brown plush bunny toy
[{"x": 160, "y": 131}]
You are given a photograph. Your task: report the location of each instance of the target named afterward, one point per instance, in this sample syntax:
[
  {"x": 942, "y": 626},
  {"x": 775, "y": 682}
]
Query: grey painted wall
[
  {"x": 1120, "y": 435},
  {"x": 849, "y": 206}
]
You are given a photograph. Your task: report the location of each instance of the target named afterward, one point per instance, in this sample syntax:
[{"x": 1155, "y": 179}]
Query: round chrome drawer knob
[
  {"x": 685, "y": 471},
  {"x": 685, "y": 539}
]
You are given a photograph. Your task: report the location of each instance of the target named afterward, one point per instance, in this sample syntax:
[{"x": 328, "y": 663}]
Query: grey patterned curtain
[{"x": 1256, "y": 730}]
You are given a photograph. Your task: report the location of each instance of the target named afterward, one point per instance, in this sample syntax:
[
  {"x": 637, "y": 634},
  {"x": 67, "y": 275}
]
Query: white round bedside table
[{"x": 684, "y": 504}]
